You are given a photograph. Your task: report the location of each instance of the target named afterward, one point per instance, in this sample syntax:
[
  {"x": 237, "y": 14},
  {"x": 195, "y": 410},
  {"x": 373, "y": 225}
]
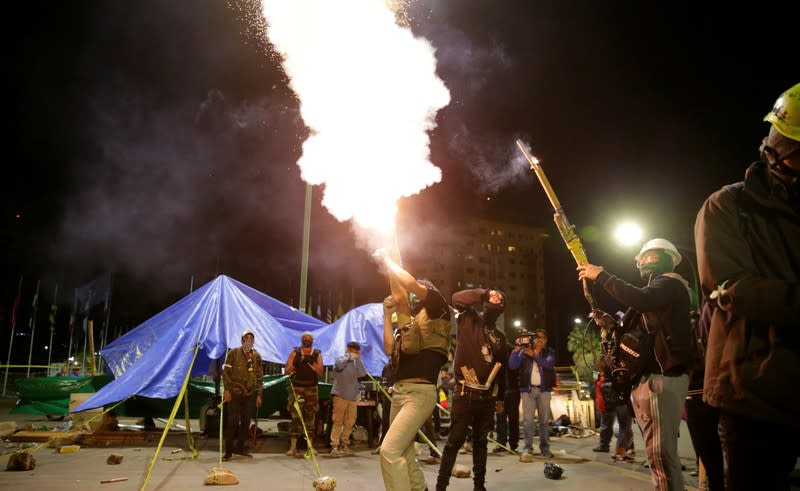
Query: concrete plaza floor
[{"x": 269, "y": 468}]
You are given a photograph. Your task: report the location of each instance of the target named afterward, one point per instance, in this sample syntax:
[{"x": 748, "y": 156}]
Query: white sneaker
[
  {"x": 345, "y": 450},
  {"x": 335, "y": 452}
]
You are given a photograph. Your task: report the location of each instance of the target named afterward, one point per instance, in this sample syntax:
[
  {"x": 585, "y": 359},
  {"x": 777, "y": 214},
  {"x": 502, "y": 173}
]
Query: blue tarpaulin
[
  {"x": 152, "y": 359},
  {"x": 363, "y": 324}
]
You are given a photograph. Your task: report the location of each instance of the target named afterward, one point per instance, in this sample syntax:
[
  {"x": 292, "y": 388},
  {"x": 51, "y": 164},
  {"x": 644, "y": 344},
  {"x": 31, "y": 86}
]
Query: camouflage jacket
[{"x": 243, "y": 374}]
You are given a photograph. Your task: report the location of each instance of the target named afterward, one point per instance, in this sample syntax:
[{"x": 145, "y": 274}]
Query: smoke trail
[{"x": 369, "y": 93}]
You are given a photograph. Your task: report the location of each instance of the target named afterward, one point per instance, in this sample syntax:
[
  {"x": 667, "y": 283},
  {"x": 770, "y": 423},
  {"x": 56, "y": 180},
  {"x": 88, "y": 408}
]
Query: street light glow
[
  {"x": 517, "y": 323},
  {"x": 628, "y": 234},
  {"x": 578, "y": 320}
]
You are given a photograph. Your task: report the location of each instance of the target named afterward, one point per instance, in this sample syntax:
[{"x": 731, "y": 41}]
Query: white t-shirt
[{"x": 536, "y": 376}]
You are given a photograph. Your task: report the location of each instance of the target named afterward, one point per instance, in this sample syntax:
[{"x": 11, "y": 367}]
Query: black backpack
[{"x": 633, "y": 352}]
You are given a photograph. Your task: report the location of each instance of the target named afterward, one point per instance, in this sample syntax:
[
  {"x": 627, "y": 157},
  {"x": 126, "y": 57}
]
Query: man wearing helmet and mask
[
  {"x": 748, "y": 255},
  {"x": 661, "y": 307},
  {"x": 242, "y": 376}
]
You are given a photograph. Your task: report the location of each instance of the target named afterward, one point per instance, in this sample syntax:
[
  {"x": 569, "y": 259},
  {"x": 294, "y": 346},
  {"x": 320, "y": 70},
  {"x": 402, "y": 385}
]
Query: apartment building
[{"x": 480, "y": 253}]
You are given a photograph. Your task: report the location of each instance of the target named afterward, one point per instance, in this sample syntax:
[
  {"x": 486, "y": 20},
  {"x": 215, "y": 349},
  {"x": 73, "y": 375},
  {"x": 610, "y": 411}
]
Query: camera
[{"x": 525, "y": 338}]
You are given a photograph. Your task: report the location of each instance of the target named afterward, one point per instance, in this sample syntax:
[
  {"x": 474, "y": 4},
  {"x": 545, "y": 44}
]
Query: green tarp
[{"x": 49, "y": 396}]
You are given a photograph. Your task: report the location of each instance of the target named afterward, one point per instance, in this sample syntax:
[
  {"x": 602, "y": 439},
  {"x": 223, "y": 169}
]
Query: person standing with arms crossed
[{"x": 305, "y": 367}]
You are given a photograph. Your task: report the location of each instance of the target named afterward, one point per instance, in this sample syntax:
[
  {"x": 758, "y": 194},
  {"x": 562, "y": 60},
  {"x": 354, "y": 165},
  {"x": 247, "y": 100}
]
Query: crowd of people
[{"x": 746, "y": 235}]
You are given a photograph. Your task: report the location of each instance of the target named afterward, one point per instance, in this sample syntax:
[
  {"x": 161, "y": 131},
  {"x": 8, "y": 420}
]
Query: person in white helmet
[
  {"x": 748, "y": 255},
  {"x": 662, "y": 307}
]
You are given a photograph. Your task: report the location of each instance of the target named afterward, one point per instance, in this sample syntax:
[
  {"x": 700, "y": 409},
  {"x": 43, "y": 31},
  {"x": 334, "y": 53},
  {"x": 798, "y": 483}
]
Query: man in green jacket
[{"x": 242, "y": 376}]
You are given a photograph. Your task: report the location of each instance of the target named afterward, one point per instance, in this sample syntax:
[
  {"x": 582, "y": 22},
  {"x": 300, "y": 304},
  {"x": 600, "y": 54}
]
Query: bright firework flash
[{"x": 369, "y": 93}]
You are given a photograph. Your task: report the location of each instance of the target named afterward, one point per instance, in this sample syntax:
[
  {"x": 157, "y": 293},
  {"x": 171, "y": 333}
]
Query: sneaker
[
  {"x": 376, "y": 450},
  {"x": 526, "y": 457},
  {"x": 226, "y": 457},
  {"x": 498, "y": 449},
  {"x": 601, "y": 449},
  {"x": 547, "y": 454},
  {"x": 243, "y": 453},
  {"x": 292, "y": 452},
  {"x": 335, "y": 452},
  {"x": 346, "y": 451}
]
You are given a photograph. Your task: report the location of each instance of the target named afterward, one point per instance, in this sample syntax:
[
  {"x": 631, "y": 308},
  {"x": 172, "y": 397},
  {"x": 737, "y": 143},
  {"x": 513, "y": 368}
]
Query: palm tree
[{"x": 584, "y": 344}]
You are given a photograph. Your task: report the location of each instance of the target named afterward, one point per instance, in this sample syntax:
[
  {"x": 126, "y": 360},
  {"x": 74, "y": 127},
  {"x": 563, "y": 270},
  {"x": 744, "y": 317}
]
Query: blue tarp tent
[
  {"x": 363, "y": 324},
  {"x": 152, "y": 359}
]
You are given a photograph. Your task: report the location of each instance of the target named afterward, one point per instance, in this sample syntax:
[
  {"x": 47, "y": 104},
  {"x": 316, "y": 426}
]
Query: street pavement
[{"x": 269, "y": 468}]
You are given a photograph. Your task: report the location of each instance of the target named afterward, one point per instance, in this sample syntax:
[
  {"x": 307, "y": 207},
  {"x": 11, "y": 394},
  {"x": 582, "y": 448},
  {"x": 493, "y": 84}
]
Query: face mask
[
  {"x": 654, "y": 264},
  {"x": 307, "y": 343}
]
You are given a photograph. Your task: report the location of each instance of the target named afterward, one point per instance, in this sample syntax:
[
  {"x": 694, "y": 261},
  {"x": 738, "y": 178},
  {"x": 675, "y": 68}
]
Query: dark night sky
[{"x": 637, "y": 110}]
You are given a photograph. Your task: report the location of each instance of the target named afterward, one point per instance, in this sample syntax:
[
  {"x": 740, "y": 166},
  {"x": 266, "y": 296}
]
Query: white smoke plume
[{"x": 369, "y": 93}]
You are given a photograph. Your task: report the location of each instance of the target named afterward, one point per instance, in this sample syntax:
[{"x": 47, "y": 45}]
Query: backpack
[{"x": 632, "y": 354}]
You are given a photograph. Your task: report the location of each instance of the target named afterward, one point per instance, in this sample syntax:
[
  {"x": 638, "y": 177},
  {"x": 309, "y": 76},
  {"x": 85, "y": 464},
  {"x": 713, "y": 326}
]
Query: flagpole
[
  {"x": 53, "y": 313},
  {"x": 13, "y": 326},
  {"x": 105, "y": 322},
  {"x": 72, "y": 324},
  {"x": 304, "y": 256},
  {"x": 32, "y": 324}
]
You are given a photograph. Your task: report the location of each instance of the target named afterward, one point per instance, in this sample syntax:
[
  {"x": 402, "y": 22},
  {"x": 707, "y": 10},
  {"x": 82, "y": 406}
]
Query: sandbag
[
  {"x": 325, "y": 483},
  {"x": 220, "y": 476},
  {"x": 21, "y": 461},
  {"x": 460, "y": 470}
]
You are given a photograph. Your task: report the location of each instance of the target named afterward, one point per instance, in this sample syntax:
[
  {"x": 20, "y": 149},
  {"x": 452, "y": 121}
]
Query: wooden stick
[
  {"x": 465, "y": 373},
  {"x": 474, "y": 376},
  {"x": 493, "y": 374},
  {"x": 116, "y": 479}
]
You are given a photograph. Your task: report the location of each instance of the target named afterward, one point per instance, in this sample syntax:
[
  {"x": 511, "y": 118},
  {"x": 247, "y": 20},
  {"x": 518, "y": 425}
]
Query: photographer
[{"x": 535, "y": 362}]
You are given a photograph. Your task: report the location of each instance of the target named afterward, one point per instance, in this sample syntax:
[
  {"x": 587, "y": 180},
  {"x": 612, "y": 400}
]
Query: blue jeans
[
  {"x": 623, "y": 415},
  {"x": 538, "y": 402}
]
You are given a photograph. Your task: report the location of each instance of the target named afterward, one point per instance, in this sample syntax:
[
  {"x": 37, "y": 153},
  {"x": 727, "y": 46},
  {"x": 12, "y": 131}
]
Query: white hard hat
[{"x": 663, "y": 244}]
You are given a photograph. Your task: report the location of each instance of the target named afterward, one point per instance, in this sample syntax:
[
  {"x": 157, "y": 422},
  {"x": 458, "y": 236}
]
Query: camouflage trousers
[{"x": 309, "y": 405}]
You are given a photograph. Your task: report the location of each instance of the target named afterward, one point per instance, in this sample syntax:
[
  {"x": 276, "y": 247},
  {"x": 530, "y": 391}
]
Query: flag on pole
[
  {"x": 329, "y": 315},
  {"x": 17, "y": 301},
  {"x": 96, "y": 291}
]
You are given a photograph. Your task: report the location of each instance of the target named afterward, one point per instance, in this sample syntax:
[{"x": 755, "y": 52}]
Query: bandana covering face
[{"x": 654, "y": 263}]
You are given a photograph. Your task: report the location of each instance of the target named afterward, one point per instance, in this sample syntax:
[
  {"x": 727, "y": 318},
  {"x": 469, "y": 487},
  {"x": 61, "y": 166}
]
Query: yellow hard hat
[{"x": 785, "y": 114}]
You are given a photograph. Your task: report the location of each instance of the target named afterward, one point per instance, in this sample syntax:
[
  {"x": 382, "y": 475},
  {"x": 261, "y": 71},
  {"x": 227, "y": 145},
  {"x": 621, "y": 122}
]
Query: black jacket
[
  {"x": 665, "y": 305},
  {"x": 479, "y": 344},
  {"x": 748, "y": 234}
]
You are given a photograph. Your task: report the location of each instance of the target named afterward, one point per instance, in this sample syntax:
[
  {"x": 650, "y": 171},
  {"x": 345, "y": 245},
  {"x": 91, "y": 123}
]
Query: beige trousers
[
  {"x": 412, "y": 404},
  {"x": 344, "y": 418}
]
